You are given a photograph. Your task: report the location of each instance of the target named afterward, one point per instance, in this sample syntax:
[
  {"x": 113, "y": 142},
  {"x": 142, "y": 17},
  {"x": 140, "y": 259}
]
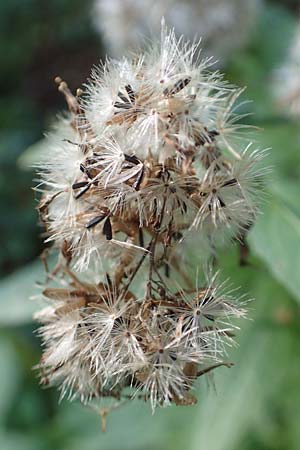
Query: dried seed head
[{"x": 146, "y": 158}]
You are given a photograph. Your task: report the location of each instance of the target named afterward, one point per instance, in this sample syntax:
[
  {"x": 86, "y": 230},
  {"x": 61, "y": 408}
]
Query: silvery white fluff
[
  {"x": 150, "y": 157},
  {"x": 286, "y": 86},
  {"x": 224, "y": 25}
]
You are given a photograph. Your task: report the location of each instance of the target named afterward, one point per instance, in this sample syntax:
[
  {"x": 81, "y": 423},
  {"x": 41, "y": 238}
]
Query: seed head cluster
[{"x": 147, "y": 163}]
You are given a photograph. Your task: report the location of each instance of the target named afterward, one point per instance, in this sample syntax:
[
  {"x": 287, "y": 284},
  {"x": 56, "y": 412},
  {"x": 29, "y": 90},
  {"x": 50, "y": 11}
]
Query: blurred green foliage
[
  {"x": 257, "y": 402},
  {"x": 38, "y": 40}
]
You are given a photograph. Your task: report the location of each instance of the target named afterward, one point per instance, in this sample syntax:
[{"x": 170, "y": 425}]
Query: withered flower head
[{"x": 148, "y": 158}]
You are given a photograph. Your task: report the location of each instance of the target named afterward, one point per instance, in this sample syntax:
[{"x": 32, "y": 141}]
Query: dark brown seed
[
  {"x": 122, "y": 105},
  {"x": 79, "y": 184},
  {"x": 207, "y": 299},
  {"x": 109, "y": 282},
  {"x": 130, "y": 93},
  {"x": 95, "y": 220},
  {"x": 177, "y": 236},
  {"x": 123, "y": 97},
  {"x": 136, "y": 185},
  {"x": 209, "y": 317},
  {"x": 167, "y": 270},
  {"x": 231, "y": 182},
  {"x": 83, "y": 191},
  {"x": 141, "y": 237},
  {"x": 178, "y": 86},
  {"x": 222, "y": 204},
  {"x": 132, "y": 159},
  {"x": 107, "y": 230}
]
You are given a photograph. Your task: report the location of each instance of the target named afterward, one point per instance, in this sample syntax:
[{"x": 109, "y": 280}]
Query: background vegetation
[{"x": 257, "y": 402}]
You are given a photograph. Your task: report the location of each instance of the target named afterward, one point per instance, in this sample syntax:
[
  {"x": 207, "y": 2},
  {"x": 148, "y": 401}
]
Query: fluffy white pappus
[
  {"x": 113, "y": 348},
  {"x": 76, "y": 339},
  {"x": 109, "y": 160},
  {"x": 251, "y": 175},
  {"x": 74, "y": 381},
  {"x": 167, "y": 99},
  {"x": 59, "y": 170},
  {"x": 59, "y": 164},
  {"x": 101, "y": 318},
  {"x": 61, "y": 338},
  {"x": 231, "y": 131},
  {"x": 69, "y": 222},
  {"x": 126, "y": 355},
  {"x": 90, "y": 248},
  {"x": 166, "y": 196},
  {"x": 208, "y": 315},
  {"x": 115, "y": 161},
  {"x": 162, "y": 384},
  {"x": 164, "y": 378},
  {"x": 230, "y": 194},
  {"x": 106, "y": 91},
  {"x": 62, "y": 364},
  {"x": 84, "y": 229},
  {"x": 224, "y": 211},
  {"x": 156, "y": 165}
]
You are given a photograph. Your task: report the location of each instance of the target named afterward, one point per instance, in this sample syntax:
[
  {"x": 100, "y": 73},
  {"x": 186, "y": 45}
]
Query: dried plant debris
[{"x": 150, "y": 157}]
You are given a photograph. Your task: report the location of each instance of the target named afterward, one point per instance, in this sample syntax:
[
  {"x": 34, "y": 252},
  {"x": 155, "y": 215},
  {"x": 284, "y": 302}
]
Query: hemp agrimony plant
[{"x": 147, "y": 164}]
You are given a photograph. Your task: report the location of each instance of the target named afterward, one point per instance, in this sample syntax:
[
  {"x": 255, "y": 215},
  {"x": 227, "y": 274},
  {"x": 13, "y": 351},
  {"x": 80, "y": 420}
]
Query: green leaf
[
  {"x": 9, "y": 375},
  {"x": 32, "y": 155},
  {"x": 288, "y": 191},
  {"x": 257, "y": 393},
  {"x": 284, "y": 140},
  {"x": 20, "y": 441},
  {"x": 275, "y": 239},
  {"x": 16, "y": 291}
]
